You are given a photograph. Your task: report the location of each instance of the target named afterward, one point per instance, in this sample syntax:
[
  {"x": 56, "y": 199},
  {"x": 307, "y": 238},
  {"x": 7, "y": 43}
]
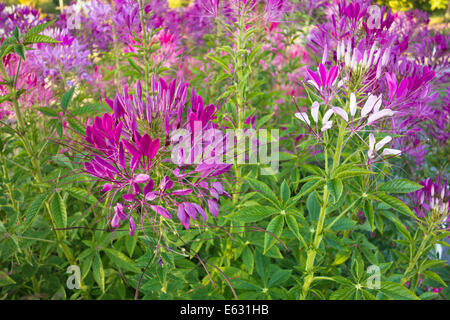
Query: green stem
[
  {"x": 413, "y": 262},
  {"x": 337, "y": 152},
  {"x": 8, "y": 185},
  {"x": 144, "y": 38},
  {"x": 34, "y": 160},
  {"x": 315, "y": 246}
]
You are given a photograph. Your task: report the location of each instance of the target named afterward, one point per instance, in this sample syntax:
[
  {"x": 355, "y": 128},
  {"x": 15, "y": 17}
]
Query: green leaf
[
  {"x": 20, "y": 50},
  {"x": 341, "y": 257},
  {"x": 48, "y": 111},
  {"x": 121, "y": 260},
  {"x": 76, "y": 126},
  {"x": 396, "y": 291},
  {"x": 279, "y": 277},
  {"x": 67, "y": 97},
  {"x": 134, "y": 65},
  {"x": 39, "y": 28},
  {"x": 6, "y": 49},
  {"x": 343, "y": 224},
  {"x": 38, "y": 38},
  {"x": 336, "y": 187},
  {"x": 98, "y": 272},
  {"x": 343, "y": 293},
  {"x": 395, "y": 204},
  {"x": 248, "y": 259},
  {"x": 313, "y": 206},
  {"x": 16, "y": 33},
  {"x": 82, "y": 195},
  {"x": 220, "y": 62},
  {"x": 5, "y": 279},
  {"x": 370, "y": 215},
  {"x": 285, "y": 192},
  {"x": 275, "y": 226},
  {"x": 59, "y": 211},
  {"x": 428, "y": 295},
  {"x": 306, "y": 188},
  {"x": 264, "y": 190},
  {"x": 293, "y": 226},
  {"x": 400, "y": 186},
  {"x": 251, "y": 214},
  {"x": 33, "y": 209},
  {"x": 352, "y": 173},
  {"x": 433, "y": 275}
]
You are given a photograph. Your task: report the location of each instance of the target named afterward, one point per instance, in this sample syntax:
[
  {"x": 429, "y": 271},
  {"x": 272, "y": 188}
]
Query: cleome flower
[
  {"x": 432, "y": 200},
  {"x": 370, "y": 112},
  {"x": 326, "y": 122},
  {"x": 128, "y": 153}
]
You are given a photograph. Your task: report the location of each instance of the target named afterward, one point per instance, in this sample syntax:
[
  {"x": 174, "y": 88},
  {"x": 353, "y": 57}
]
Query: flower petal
[
  {"x": 315, "y": 111},
  {"x": 303, "y": 117},
  {"x": 161, "y": 211},
  {"x": 341, "y": 112},
  {"x": 352, "y": 104}
]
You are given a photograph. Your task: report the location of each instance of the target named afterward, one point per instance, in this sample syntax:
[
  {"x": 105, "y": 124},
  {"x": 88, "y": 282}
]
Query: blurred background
[{"x": 438, "y": 8}]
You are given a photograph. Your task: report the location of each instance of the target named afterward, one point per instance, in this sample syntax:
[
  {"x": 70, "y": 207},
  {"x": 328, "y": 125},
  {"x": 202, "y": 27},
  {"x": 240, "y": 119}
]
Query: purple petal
[
  {"x": 107, "y": 187},
  {"x": 128, "y": 197},
  {"x": 132, "y": 226},
  {"x": 141, "y": 178},
  {"x": 181, "y": 192},
  {"x": 149, "y": 187},
  {"x": 213, "y": 207},
  {"x": 182, "y": 216},
  {"x": 161, "y": 211}
]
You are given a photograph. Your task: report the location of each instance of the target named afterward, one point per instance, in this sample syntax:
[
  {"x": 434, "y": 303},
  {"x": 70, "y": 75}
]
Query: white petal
[
  {"x": 377, "y": 106},
  {"x": 314, "y": 84},
  {"x": 389, "y": 152},
  {"x": 347, "y": 58},
  {"x": 380, "y": 114},
  {"x": 383, "y": 141},
  {"x": 371, "y": 141},
  {"x": 327, "y": 116},
  {"x": 376, "y": 57},
  {"x": 341, "y": 112},
  {"x": 364, "y": 61},
  {"x": 327, "y": 125},
  {"x": 378, "y": 75},
  {"x": 385, "y": 58},
  {"x": 353, "y": 63},
  {"x": 368, "y": 106},
  {"x": 303, "y": 117},
  {"x": 315, "y": 111},
  {"x": 372, "y": 50},
  {"x": 352, "y": 104}
]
